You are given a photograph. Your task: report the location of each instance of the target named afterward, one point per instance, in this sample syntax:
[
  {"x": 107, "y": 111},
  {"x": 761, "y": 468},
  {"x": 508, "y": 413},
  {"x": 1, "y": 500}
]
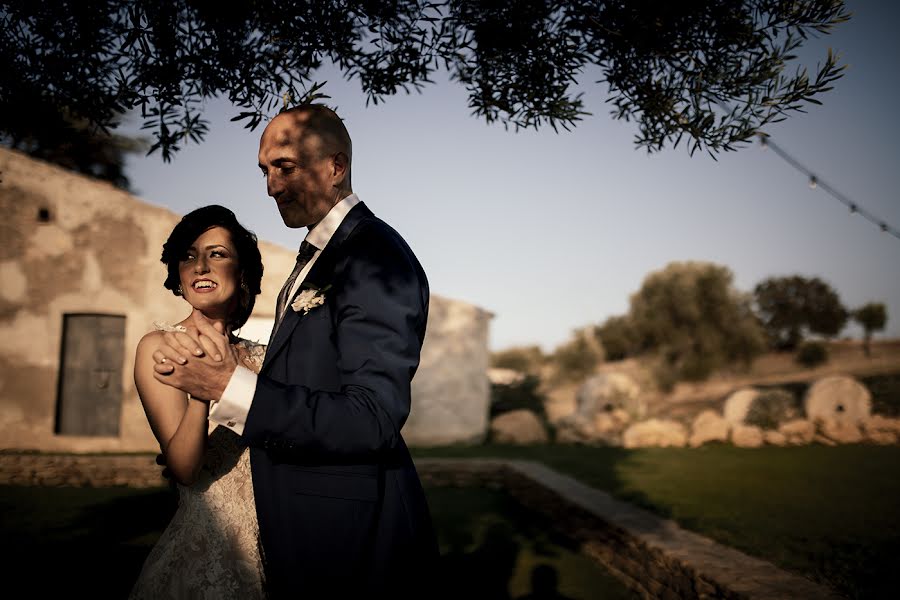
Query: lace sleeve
[
  {"x": 163, "y": 326},
  {"x": 254, "y": 354}
]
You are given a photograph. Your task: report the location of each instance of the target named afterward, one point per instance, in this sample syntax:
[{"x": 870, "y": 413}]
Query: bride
[{"x": 211, "y": 548}]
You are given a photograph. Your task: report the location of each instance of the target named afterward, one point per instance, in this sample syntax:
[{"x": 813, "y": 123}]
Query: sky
[{"x": 552, "y": 232}]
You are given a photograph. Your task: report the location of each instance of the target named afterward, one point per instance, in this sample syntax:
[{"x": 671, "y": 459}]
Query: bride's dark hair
[{"x": 191, "y": 226}]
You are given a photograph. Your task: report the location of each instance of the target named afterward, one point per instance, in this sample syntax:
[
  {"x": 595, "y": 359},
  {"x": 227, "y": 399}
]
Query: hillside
[{"x": 846, "y": 357}]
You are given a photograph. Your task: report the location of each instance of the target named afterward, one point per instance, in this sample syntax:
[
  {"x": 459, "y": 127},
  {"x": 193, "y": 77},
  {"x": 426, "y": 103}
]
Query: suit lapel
[{"x": 320, "y": 276}]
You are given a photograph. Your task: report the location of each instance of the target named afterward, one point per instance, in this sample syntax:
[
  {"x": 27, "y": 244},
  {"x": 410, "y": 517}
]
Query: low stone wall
[
  {"x": 81, "y": 470},
  {"x": 646, "y": 571}
]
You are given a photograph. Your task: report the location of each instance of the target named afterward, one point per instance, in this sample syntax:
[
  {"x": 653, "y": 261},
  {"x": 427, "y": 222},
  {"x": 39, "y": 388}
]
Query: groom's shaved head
[{"x": 320, "y": 120}]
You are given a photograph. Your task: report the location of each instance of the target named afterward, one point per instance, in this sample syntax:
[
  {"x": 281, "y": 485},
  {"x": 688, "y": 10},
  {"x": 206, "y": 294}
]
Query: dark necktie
[{"x": 305, "y": 254}]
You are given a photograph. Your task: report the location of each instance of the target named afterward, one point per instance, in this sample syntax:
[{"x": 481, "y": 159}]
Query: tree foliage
[
  {"x": 715, "y": 71},
  {"x": 690, "y": 314},
  {"x": 76, "y": 146},
  {"x": 792, "y": 307},
  {"x": 525, "y": 359},
  {"x": 872, "y": 317},
  {"x": 618, "y": 336}
]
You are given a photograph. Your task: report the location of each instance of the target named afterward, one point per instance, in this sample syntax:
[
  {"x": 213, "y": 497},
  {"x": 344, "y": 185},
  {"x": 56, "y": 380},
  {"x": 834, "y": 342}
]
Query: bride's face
[{"x": 210, "y": 273}]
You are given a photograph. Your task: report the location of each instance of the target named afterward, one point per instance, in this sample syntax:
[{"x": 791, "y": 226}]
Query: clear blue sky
[{"x": 552, "y": 232}]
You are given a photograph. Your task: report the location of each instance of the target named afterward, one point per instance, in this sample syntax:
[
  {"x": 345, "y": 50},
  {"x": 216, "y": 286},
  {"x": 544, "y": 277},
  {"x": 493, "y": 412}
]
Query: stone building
[{"x": 81, "y": 282}]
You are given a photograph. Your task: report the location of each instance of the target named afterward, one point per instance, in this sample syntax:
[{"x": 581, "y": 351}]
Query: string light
[{"x": 815, "y": 182}]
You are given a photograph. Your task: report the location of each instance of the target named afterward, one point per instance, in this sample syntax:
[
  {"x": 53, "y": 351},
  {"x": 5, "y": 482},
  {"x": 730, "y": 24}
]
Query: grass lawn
[
  {"x": 61, "y": 541},
  {"x": 830, "y": 513}
]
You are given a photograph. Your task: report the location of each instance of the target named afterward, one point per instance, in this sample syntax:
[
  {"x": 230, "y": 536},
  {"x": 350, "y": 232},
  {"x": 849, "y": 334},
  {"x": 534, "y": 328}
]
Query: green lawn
[
  {"x": 831, "y": 513},
  {"x": 61, "y": 541}
]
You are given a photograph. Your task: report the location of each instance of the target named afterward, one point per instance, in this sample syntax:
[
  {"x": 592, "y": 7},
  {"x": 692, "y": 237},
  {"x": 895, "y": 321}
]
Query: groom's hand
[
  {"x": 179, "y": 345},
  {"x": 204, "y": 375}
]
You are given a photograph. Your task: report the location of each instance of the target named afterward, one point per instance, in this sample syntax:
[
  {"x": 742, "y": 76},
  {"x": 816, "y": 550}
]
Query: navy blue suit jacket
[{"x": 339, "y": 503}]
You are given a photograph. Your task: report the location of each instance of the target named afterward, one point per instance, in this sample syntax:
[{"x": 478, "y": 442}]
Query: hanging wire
[{"x": 815, "y": 182}]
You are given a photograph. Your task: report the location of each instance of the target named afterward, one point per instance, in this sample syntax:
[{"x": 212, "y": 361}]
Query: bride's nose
[{"x": 201, "y": 266}]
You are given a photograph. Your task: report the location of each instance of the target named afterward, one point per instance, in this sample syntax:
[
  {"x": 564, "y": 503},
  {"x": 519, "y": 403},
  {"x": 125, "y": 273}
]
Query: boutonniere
[{"x": 308, "y": 299}]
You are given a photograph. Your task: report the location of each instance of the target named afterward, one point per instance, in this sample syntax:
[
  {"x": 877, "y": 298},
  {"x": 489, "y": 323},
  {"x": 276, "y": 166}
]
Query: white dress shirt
[{"x": 232, "y": 408}]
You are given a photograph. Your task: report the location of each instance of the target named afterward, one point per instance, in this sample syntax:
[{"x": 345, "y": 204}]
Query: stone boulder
[
  {"x": 747, "y": 436},
  {"x": 655, "y": 433},
  {"x": 708, "y": 426},
  {"x": 798, "y": 432},
  {"x": 608, "y": 426},
  {"x": 840, "y": 431},
  {"x": 737, "y": 404},
  {"x": 838, "y": 398},
  {"x": 518, "y": 427},
  {"x": 879, "y": 429},
  {"x": 575, "y": 429},
  {"x": 774, "y": 438},
  {"x": 606, "y": 392},
  {"x": 604, "y": 428},
  {"x": 605, "y": 404}
]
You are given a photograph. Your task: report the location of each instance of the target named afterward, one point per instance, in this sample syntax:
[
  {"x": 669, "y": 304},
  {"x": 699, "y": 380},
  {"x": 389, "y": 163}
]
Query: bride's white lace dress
[{"x": 211, "y": 548}]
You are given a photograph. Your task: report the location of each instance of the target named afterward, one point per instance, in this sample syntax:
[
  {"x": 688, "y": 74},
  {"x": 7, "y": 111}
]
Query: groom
[{"x": 340, "y": 507}]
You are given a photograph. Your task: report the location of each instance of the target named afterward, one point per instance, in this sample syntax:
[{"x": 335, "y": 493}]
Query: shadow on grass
[
  {"x": 69, "y": 540},
  {"x": 79, "y": 539}
]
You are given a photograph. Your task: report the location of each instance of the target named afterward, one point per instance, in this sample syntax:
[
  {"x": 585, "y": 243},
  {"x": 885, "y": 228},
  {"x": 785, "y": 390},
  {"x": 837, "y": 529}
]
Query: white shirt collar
[{"x": 320, "y": 235}]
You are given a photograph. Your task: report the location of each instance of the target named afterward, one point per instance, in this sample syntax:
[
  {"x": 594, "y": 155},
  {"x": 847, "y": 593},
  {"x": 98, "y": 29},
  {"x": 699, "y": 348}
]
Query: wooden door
[{"x": 90, "y": 384}]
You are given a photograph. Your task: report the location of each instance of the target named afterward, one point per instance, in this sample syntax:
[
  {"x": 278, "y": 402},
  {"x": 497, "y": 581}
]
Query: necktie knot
[{"x": 306, "y": 252}]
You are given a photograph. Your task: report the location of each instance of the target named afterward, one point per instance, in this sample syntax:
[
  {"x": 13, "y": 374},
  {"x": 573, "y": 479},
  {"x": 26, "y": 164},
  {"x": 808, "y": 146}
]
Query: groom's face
[{"x": 299, "y": 172}]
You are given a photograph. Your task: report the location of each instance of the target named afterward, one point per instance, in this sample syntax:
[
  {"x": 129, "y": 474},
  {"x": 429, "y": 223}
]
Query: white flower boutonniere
[{"x": 308, "y": 300}]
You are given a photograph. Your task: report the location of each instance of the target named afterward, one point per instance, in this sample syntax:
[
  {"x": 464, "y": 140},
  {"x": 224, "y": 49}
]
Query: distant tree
[
  {"x": 76, "y": 145},
  {"x": 690, "y": 315},
  {"x": 525, "y": 359},
  {"x": 872, "y": 317},
  {"x": 618, "y": 336},
  {"x": 713, "y": 72},
  {"x": 792, "y": 307}
]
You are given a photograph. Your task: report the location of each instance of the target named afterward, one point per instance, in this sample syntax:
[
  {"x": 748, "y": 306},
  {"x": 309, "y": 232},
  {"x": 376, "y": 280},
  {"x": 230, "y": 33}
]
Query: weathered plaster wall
[{"x": 451, "y": 391}]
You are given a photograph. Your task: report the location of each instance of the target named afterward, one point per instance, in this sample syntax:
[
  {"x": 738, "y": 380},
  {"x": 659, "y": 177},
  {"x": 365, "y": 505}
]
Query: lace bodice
[{"x": 211, "y": 549}]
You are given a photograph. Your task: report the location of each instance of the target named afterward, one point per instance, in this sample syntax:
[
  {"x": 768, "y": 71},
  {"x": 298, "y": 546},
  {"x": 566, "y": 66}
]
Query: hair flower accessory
[{"x": 308, "y": 300}]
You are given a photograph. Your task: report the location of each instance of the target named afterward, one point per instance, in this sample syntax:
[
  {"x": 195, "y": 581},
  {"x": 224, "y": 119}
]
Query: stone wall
[{"x": 70, "y": 244}]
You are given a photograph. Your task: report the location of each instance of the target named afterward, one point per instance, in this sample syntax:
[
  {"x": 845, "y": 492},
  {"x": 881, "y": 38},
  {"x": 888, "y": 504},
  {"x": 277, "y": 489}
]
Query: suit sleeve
[{"x": 380, "y": 306}]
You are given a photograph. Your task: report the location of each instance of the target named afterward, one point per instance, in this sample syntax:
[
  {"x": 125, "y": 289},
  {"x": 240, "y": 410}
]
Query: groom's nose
[{"x": 273, "y": 187}]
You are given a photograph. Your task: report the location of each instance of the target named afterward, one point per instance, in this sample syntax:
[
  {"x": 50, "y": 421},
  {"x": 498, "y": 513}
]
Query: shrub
[
  {"x": 771, "y": 408},
  {"x": 521, "y": 395},
  {"x": 525, "y": 359},
  {"x": 575, "y": 360},
  {"x": 812, "y": 354}
]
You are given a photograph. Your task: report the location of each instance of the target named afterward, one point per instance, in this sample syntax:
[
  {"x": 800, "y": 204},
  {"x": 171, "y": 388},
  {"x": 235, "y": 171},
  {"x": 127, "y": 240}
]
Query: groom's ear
[{"x": 340, "y": 165}]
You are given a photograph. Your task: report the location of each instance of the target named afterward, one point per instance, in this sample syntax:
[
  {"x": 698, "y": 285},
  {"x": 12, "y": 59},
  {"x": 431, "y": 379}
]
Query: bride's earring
[{"x": 179, "y": 291}]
